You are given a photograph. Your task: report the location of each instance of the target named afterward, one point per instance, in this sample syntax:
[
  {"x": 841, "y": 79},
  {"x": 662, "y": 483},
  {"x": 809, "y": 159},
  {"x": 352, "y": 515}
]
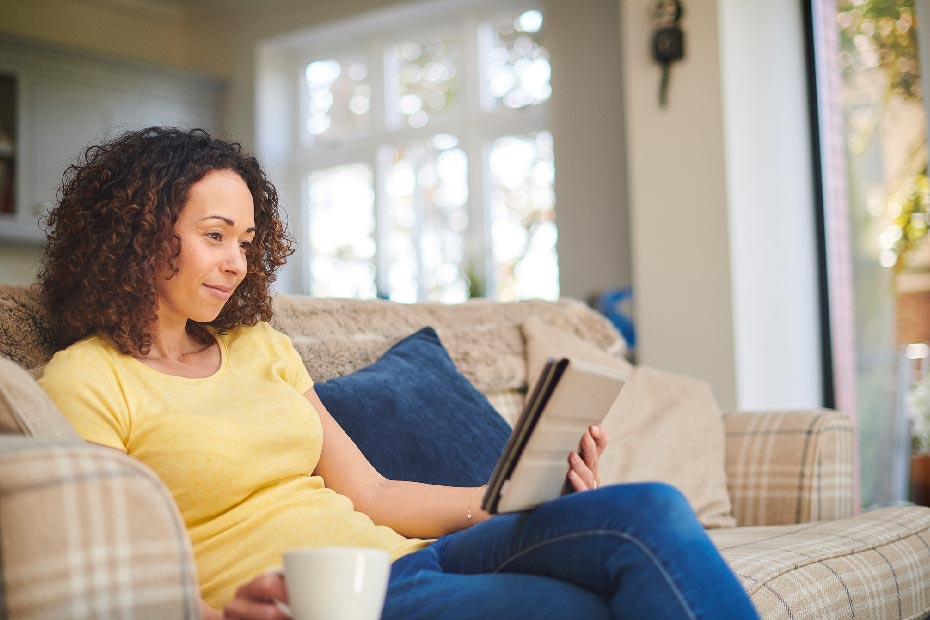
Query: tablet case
[{"x": 568, "y": 397}]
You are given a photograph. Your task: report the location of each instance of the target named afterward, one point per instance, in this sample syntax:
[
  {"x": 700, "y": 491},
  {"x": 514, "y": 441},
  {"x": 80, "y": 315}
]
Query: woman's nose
[{"x": 236, "y": 261}]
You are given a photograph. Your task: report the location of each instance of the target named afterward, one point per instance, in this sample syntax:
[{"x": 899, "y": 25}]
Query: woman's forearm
[
  {"x": 421, "y": 510},
  {"x": 428, "y": 511}
]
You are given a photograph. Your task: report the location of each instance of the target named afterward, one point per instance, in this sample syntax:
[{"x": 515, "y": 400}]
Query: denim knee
[{"x": 642, "y": 502}]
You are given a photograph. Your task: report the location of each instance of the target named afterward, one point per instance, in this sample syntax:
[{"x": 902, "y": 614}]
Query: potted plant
[{"x": 918, "y": 406}]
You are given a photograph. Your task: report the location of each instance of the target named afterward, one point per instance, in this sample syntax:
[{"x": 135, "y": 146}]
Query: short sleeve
[
  {"x": 294, "y": 370},
  {"x": 87, "y": 392}
]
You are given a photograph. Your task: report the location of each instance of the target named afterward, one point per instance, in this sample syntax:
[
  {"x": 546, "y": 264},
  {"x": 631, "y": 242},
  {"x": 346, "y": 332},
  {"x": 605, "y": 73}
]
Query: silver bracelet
[{"x": 468, "y": 514}]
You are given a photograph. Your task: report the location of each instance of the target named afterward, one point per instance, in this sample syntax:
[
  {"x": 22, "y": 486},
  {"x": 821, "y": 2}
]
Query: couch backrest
[
  {"x": 338, "y": 336},
  {"x": 25, "y": 335},
  {"x": 484, "y": 338}
]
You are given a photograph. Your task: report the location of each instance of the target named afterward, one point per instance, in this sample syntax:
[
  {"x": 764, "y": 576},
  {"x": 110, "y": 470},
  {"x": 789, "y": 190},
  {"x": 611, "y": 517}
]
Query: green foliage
[
  {"x": 909, "y": 209},
  {"x": 880, "y": 34}
]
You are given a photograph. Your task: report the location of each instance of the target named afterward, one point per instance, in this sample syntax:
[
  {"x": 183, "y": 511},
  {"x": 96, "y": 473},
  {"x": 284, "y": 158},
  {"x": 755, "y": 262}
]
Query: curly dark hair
[{"x": 111, "y": 234}]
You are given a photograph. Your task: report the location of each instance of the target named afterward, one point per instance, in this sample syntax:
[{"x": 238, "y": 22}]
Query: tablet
[{"x": 567, "y": 398}]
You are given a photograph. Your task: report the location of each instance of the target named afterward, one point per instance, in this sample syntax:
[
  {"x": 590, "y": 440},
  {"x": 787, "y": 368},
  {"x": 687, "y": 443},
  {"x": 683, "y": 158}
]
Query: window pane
[
  {"x": 517, "y": 65},
  {"x": 523, "y": 227},
  {"x": 342, "y": 227},
  {"x": 427, "y": 187},
  {"x": 424, "y": 76},
  {"x": 338, "y": 97},
  {"x": 876, "y": 153}
]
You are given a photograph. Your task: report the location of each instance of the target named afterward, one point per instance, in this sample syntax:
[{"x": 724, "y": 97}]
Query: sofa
[{"x": 86, "y": 532}]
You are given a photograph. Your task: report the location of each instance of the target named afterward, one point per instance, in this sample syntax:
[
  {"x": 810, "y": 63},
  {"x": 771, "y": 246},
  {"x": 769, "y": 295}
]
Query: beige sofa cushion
[
  {"x": 662, "y": 427},
  {"x": 25, "y": 409},
  {"x": 874, "y": 565}
]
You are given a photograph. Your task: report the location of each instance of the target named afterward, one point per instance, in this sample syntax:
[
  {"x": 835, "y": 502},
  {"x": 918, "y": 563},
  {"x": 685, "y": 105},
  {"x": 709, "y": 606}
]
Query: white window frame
[{"x": 281, "y": 135}]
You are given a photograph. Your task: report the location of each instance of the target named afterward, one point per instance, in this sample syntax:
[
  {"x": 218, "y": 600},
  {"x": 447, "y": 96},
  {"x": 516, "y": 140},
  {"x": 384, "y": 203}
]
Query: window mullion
[
  {"x": 299, "y": 218},
  {"x": 381, "y": 162},
  {"x": 419, "y": 210},
  {"x": 478, "y": 258},
  {"x": 507, "y": 122},
  {"x": 379, "y": 156}
]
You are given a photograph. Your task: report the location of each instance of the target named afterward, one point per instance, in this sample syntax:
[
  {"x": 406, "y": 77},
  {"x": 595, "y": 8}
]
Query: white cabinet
[
  {"x": 68, "y": 100},
  {"x": 63, "y": 121}
]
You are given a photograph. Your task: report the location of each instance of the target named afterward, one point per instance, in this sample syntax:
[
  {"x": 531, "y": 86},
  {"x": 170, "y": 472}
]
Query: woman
[{"x": 160, "y": 253}]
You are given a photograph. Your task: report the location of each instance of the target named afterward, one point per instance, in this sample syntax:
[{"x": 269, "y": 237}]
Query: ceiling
[{"x": 178, "y": 8}]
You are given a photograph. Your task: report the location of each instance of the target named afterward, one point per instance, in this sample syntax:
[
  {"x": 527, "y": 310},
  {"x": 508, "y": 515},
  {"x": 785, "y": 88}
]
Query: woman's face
[{"x": 216, "y": 226}]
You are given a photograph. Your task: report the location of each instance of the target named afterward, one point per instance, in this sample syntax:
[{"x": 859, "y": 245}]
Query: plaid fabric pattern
[
  {"x": 875, "y": 565},
  {"x": 88, "y": 533},
  {"x": 789, "y": 466}
]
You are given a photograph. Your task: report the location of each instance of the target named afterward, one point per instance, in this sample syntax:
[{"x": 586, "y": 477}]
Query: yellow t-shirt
[{"x": 237, "y": 450}]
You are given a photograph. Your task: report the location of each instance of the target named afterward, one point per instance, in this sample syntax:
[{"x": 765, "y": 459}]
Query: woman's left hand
[{"x": 583, "y": 474}]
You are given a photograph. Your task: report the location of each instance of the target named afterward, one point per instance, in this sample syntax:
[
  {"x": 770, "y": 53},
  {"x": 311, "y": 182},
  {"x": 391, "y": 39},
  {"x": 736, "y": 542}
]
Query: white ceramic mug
[{"x": 336, "y": 583}]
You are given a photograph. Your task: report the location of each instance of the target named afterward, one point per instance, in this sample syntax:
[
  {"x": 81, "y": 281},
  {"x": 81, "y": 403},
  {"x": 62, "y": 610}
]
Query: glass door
[{"x": 873, "y": 152}]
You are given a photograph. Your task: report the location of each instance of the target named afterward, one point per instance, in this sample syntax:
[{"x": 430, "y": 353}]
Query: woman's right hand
[{"x": 255, "y": 600}]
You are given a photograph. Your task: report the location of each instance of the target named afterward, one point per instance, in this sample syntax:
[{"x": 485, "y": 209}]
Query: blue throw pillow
[{"x": 416, "y": 417}]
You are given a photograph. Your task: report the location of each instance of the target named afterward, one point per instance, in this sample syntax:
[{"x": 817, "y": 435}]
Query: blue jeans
[{"x": 624, "y": 551}]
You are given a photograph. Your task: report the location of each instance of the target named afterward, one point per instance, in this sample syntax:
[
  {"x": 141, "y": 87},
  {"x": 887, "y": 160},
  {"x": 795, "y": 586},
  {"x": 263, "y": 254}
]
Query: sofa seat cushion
[
  {"x": 873, "y": 565},
  {"x": 416, "y": 417}
]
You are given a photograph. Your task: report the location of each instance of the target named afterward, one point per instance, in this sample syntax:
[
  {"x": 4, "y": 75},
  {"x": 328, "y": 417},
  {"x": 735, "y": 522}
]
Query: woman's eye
[
  {"x": 246, "y": 245},
  {"x": 216, "y": 236}
]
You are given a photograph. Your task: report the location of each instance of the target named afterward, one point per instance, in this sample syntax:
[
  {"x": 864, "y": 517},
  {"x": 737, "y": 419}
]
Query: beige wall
[
  {"x": 678, "y": 202},
  {"x": 158, "y": 36},
  {"x": 721, "y": 203},
  {"x": 587, "y": 128},
  {"x": 773, "y": 240}
]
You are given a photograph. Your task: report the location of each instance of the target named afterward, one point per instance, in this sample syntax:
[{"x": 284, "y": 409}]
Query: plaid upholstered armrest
[
  {"x": 89, "y": 533},
  {"x": 789, "y": 466}
]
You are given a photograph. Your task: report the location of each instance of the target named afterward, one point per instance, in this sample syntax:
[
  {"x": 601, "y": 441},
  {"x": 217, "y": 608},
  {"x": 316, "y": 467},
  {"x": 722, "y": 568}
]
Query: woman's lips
[{"x": 220, "y": 292}]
